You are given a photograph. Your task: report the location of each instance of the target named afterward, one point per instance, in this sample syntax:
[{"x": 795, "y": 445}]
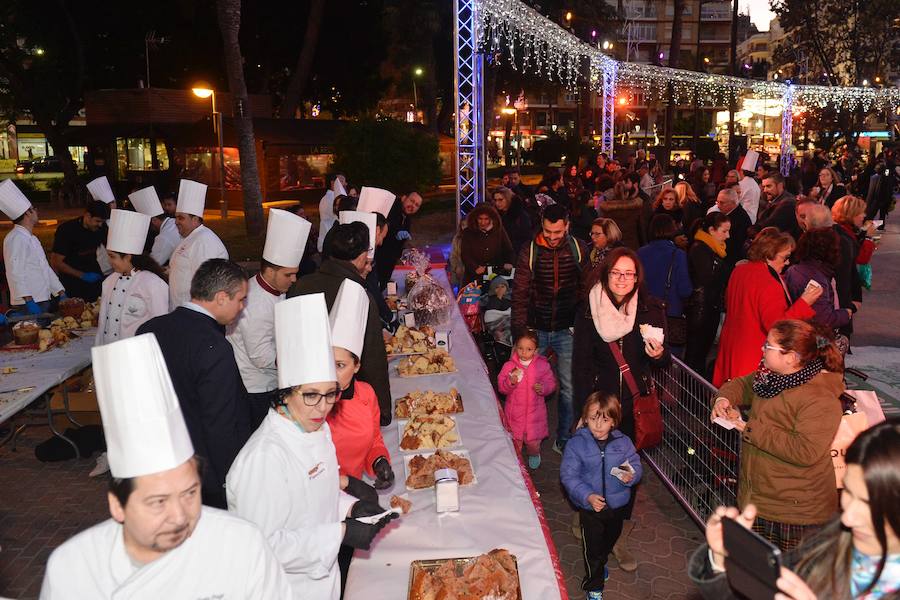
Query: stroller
[{"x": 488, "y": 315}]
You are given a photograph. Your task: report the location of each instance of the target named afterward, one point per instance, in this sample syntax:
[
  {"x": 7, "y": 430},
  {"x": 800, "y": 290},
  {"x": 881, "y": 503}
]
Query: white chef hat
[
  {"x": 146, "y": 201},
  {"x": 12, "y": 201},
  {"x": 100, "y": 189},
  {"x": 750, "y": 160},
  {"x": 351, "y": 216},
  {"x": 142, "y": 421},
  {"x": 375, "y": 200},
  {"x": 337, "y": 187},
  {"x": 127, "y": 231},
  {"x": 191, "y": 197},
  {"x": 286, "y": 235},
  {"x": 303, "y": 341},
  {"x": 348, "y": 316}
]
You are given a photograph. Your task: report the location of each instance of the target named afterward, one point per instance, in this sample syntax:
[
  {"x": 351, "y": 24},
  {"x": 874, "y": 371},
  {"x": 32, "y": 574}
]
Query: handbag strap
[
  {"x": 624, "y": 369},
  {"x": 669, "y": 278}
]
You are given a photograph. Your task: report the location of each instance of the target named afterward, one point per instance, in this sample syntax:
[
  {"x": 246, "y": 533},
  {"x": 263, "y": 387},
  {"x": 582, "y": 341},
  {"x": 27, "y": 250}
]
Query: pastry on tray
[
  {"x": 429, "y": 363},
  {"x": 427, "y": 432},
  {"x": 494, "y": 575},
  {"x": 420, "y": 470},
  {"x": 402, "y": 503},
  {"x": 410, "y": 340},
  {"x": 26, "y": 333},
  {"x": 428, "y": 402}
]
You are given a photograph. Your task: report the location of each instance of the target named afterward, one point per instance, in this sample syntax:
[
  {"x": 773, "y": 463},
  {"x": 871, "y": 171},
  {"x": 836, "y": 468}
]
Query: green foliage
[{"x": 388, "y": 154}]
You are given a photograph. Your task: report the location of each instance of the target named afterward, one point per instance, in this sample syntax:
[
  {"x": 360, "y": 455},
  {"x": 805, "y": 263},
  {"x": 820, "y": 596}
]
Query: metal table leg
[
  {"x": 50, "y": 414},
  {"x": 65, "y": 395}
]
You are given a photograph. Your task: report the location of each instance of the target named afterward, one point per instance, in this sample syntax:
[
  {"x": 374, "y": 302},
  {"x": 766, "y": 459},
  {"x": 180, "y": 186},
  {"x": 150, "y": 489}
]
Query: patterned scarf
[{"x": 768, "y": 384}]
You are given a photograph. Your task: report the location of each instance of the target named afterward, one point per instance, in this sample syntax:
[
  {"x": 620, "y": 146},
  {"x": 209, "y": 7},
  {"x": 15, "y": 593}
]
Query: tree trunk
[
  {"x": 674, "y": 55},
  {"x": 68, "y": 191},
  {"x": 229, "y": 13},
  {"x": 297, "y": 85}
]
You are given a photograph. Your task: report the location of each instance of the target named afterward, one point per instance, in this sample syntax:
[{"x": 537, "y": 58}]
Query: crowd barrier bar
[{"x": 698, "y": 461}]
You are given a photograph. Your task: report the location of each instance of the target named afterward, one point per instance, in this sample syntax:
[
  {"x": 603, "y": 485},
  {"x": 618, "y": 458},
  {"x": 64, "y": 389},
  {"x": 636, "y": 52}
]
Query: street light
[
  {"x": 201, "y": 91},
  {"x": 515, "y": 112},
  {"x": 417, "y": 72}
]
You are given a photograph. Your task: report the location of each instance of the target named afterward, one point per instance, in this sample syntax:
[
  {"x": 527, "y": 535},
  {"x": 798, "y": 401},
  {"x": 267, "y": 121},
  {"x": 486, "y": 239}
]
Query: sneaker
[
  {"x": 559, "y": 447},
  {"x": 534, "y": 461},
  {"x": 595, "y": 595}
]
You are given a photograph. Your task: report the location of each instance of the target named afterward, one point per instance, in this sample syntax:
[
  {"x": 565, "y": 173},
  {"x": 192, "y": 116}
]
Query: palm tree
[{"x": 229, "y": 16}]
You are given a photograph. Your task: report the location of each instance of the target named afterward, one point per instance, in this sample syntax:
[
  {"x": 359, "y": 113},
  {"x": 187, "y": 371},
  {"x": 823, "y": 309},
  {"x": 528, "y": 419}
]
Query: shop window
[{"x": 302, "y": 171}]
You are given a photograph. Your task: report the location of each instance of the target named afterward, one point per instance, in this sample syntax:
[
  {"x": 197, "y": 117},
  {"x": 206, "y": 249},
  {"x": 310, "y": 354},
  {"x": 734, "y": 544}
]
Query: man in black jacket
[
  {"x": 346, "y": 249},
  {"x": 780, "y": 210},
  {"x": 545, "y": 293},
  {"x": 399, "y": 222},
  {"x": 729, "y": 204},
  {"x": 203, "y": 370}
]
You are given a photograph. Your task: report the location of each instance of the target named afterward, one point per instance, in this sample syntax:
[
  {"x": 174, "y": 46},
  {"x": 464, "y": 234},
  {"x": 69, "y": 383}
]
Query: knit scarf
[
  {"x": 610, "y": 322},
  {"x": 768, "y": 384},
  {"x": 714, "y": 244}
]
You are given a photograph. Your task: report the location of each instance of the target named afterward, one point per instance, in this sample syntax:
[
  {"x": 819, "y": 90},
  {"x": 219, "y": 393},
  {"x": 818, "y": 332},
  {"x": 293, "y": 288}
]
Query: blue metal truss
[
  {"x": 469, "y": 108},
  {"x": 608, "y": 126}
]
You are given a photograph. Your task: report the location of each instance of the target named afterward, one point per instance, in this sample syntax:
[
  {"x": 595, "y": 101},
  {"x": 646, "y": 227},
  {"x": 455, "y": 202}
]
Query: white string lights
[{"x": 535, "y": 43}]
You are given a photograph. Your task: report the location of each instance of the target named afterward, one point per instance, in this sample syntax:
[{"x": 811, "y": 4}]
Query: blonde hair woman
[
  {"x": 828, "y": 188},
  {"x": 691, "y": 207},
  {"x": 849, "y": 214}
]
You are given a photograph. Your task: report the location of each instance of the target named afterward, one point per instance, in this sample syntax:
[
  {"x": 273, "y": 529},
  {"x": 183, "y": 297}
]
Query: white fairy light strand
[{"x": 549, "y": 50}]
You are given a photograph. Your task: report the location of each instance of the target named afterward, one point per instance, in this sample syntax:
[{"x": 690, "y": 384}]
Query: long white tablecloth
[
  {"x": 40, "y": 371},
  {"x": 496, "y": 512}
]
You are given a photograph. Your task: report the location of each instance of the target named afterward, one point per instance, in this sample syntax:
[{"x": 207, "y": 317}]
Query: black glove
[
  {"x": 384, "y": 474},
  {"x": 361, "y": 490},
  {"x": 360, "y": 535},
  {"x": 364, "y": 508}
]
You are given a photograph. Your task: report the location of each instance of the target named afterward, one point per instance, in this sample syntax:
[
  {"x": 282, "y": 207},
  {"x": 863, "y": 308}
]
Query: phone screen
[{"x": 753, "y": 564}]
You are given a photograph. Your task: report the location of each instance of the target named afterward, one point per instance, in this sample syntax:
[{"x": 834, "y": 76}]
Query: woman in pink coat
[{"x": 525, "y": 379}]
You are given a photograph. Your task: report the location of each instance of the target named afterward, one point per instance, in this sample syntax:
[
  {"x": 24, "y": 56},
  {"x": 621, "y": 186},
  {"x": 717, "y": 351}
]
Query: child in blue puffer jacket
[{"x": 599, "y": 468}]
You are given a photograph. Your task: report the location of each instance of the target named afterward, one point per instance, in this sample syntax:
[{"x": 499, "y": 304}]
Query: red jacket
[
  {"x": 526, "y": 411},
  {"x": 356, "y": 432},
  {"x": 754, "y": 300}
]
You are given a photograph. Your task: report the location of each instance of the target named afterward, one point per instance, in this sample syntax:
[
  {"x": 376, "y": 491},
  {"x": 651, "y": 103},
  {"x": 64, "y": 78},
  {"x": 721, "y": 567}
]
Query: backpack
[{"x": 533, "y": 250}]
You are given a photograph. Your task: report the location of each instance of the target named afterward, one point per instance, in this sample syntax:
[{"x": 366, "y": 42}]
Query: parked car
[
  {"x": 46, "y": 164},
  {"x": 23, "y": 166}
]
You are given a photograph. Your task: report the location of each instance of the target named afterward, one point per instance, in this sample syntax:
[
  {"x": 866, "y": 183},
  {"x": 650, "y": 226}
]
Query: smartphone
[{"x": 752, "y": 563}]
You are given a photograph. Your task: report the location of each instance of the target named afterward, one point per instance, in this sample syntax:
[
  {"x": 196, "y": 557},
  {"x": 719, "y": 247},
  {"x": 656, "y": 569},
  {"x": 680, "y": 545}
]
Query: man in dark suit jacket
[
  {"x": 780, "y": 211},
  {"x": 204, "y": 373},
  {"x": 346, "y": 249},
  {"x": 728, "y": 203}
]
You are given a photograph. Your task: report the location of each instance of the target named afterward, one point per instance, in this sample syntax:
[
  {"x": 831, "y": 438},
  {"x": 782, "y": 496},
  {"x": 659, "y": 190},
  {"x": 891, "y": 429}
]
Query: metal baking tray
[{"x": 433, "y": 564}]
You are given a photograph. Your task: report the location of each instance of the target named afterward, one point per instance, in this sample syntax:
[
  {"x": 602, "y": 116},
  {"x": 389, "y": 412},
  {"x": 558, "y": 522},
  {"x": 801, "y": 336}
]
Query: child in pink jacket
[{"x": 525, "y": 379}]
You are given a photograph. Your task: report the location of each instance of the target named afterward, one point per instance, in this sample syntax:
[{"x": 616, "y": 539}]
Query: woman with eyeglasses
[
  {"x": 286, "y": 478},
  {"x": 757, "y": 297},
  {"x": 855, "y": 555},
  {"x": 793, "y": 408},
  {"x": 616, "y": 309}
]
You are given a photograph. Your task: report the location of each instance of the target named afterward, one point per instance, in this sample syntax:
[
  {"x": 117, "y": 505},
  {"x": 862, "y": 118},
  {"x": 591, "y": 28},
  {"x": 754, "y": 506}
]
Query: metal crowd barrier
[{"x": 697, "y": 460}]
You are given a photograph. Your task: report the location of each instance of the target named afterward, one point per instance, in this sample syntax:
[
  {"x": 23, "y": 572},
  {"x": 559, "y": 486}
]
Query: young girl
[
  {"x": 599, "y": 468},
  {"x": 525, "y": 379}
]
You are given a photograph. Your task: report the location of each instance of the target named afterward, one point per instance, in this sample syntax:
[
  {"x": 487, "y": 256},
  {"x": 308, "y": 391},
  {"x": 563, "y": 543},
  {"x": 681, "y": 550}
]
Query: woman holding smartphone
[{"x": 856, "y": 555}]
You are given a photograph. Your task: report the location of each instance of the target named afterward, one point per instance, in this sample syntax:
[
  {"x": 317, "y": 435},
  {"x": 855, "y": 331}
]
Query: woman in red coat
[{"x": 757, "y": 297}]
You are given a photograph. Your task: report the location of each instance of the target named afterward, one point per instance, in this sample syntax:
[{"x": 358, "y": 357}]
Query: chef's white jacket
[
  {"x": 225, "y": 557},
  {"x": 194, "y": 250},
  {"x": 27, "y": 271},
  {"x": 252, "y": 335},
  {"x": 749, "y": 196},
  {"x": 327, "y": 218},
  {"x": 166, "y": 241},
  {"x": 146, "y": 296},
  {"x": 286, "y": 482}
]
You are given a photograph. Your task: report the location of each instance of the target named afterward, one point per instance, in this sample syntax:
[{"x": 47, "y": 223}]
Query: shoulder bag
[{"x": 648, "y": 423}]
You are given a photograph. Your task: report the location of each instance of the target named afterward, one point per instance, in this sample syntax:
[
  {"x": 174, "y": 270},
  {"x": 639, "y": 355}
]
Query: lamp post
[
  {"x": 417, "y": 72},
  {"x": 205, "y": 92},
  {"x": 515, "y": 112}
]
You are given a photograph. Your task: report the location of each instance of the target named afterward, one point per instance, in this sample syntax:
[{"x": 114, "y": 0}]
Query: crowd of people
[{"x": 612, "y": 272}]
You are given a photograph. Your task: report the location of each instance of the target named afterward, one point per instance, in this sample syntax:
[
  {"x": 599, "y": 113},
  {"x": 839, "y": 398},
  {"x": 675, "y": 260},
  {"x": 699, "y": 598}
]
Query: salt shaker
[{"x": 446, "y": 489}]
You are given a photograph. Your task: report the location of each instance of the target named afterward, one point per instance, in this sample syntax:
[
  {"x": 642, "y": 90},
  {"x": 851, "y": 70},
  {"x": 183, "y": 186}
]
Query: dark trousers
[
  {"x": 599, "y": 532},
  {"x": 259, "y": 407},
  {"x": 345, "y": 555},
  {"x": 700, "y": 341}
]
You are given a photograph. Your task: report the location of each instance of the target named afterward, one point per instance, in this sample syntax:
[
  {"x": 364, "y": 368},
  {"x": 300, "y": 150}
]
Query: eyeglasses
[
  {"x": 767, "y": 346},
  {"x": 313, "y": 398},
  {"x": 622, "y": 275}
]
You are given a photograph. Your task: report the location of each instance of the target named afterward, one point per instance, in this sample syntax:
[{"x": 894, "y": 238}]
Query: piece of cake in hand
[{"x": 649, "y": 332}]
